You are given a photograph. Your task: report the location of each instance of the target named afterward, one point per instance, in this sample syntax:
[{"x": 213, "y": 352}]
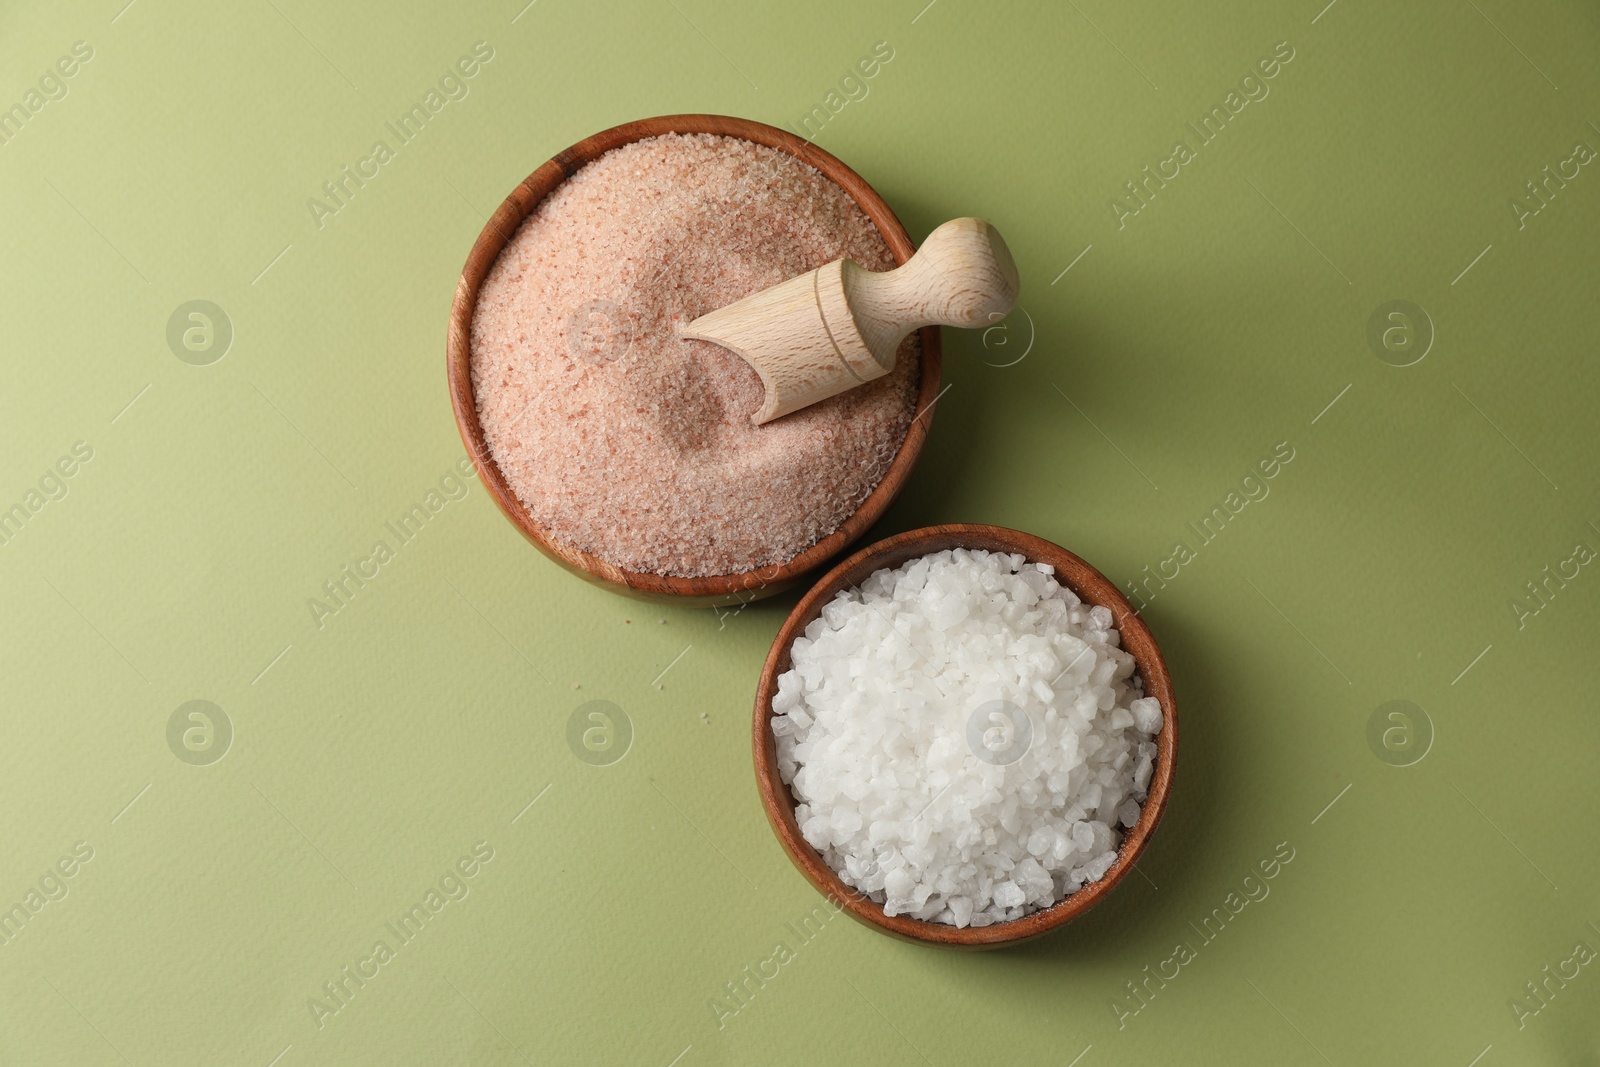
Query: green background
[{"x": 1138, "y": 389}]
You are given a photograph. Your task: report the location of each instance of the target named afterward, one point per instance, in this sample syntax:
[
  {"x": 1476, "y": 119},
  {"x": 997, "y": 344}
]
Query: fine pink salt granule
[{"x": 623, "y": 439}]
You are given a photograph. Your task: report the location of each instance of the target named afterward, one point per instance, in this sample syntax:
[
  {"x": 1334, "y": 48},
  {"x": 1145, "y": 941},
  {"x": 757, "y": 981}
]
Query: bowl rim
[
  {"x": 712, "y": 589},
  {"x": 1091, "y": 586}
]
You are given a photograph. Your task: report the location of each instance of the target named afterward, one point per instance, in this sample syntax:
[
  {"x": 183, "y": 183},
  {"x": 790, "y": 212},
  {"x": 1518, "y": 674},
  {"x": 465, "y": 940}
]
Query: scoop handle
[{"x": 963, "y": 275}]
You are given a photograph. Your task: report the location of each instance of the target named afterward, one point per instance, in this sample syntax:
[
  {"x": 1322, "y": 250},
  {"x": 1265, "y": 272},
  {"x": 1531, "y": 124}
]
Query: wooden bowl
[
  {"x": 1093, "y": 588},
  {"x": 718, "y": 589}
]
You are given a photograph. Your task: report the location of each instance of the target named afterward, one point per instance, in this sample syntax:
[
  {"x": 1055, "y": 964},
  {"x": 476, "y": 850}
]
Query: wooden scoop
[{"x": 839, "y": 326}]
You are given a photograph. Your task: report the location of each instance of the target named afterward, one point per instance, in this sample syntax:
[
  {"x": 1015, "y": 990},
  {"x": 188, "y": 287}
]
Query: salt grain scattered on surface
[
  {"x": 626, "y": 441},
  {"x": 910, "y": 784}
]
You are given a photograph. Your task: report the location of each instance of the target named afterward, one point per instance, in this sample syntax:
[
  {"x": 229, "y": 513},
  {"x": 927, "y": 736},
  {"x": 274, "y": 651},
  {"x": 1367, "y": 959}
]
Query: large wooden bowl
[
  {"x": 1091, "y": 587},
  {"x": 718, "y": 589}
]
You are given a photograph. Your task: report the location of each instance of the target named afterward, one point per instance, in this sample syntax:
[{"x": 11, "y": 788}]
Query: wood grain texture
[
  {"x": 1093, "y": 588},
  {"x": 799, "y": 337},
  {"x": 840, "y": 325},
  {"x": 716, "y": 589}
]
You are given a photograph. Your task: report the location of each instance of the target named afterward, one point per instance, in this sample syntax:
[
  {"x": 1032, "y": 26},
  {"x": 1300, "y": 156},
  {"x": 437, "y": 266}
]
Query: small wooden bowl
[
  {"x": 1093, "y": 588},
  {"x": 718, "y": 589}
]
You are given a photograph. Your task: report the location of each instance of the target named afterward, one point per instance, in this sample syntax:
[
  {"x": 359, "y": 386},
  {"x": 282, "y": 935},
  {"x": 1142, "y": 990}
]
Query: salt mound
[
  {"x": 622, "y": 438},
  {"x": 965, "y": 738}
]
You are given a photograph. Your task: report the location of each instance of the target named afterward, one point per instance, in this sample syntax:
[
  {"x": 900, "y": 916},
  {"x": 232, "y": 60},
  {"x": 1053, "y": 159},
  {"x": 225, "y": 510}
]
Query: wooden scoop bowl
[{"x": 839, "y": 326}]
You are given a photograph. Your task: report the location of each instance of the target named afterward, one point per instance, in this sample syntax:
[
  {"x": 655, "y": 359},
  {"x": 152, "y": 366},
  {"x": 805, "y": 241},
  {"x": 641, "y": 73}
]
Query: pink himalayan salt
[{"x": 623, "y": 439}]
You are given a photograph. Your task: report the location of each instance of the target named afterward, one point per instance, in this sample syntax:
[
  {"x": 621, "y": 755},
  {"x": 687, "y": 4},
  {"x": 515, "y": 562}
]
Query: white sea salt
[{"x": 965, "y": 739}]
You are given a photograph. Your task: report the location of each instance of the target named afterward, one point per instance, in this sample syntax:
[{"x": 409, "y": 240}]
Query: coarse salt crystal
[{"x": 892, "y": 686}]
